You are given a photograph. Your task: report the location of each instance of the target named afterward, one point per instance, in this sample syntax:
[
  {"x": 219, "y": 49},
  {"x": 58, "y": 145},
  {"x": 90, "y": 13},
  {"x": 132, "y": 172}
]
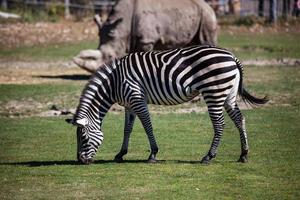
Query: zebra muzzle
[{"x": 83, "y": 160}]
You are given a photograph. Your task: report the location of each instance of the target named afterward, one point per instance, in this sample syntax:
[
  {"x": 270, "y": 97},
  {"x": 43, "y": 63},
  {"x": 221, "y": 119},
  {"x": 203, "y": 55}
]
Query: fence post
[
  {"x": 273, "y": 11},
  {"x": 261, "y": 8},
  {"x": 286, "y": 8},
  {"x": 234, "y": 7},
  {"x": 67, "y": 9},
  {"x": 4, "y": 4},
  {"x": 296, "y": 8}
]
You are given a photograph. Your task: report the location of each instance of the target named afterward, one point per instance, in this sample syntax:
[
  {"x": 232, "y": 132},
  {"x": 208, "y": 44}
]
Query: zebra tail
[{"x": 246, "y": 96}]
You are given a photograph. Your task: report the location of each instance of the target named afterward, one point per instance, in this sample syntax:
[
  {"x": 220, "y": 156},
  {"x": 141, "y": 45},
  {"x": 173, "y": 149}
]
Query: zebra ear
[
  {"x": 70, "y": 121},
  {"x": 82, "y": 122}
]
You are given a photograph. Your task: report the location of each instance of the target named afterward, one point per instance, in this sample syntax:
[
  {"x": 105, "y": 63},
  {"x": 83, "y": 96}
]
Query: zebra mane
[
  {"x": 97, "y": 77},
  {"x": 106, "y": 67}
]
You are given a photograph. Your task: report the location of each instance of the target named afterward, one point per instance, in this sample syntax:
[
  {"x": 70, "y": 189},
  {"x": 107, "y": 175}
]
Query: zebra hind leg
[
  {"x": 239, "y": 121},
  {"x": 129, "y": 121},
  {"x": 140, "y": 107},
  {"x": 217, "y": 119},
  {"x": 146, "y": 121}
]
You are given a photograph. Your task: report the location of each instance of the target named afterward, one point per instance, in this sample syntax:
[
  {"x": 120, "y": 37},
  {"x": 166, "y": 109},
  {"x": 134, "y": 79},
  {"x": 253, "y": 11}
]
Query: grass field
[
  {"x": 261, "y": 46},
  {"x": 245, "y": 45},
  {"x": 38, "y": 153},
  {"x": 37, "y": 160}
]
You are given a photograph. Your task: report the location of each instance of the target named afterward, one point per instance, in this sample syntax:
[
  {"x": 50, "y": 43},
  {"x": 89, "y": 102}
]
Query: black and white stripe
[{"x": 165, "y": 78}]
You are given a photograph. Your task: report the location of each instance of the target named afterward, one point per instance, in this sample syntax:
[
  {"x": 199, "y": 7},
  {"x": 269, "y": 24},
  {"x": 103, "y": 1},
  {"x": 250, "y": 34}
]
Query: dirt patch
[
  {"x": 24, "y": 72},
  {"x": 19, "y": 108},
  {"x": 59, "y": 72},
  {"x": 273, "y": 62},
  {"x": 262, "y": 29},
  {"x": 32, "y": 108},
  {"x": 17, "y": 72},
  {"x": 154, "y": 109},
  {"x": 41, "y": 33}
]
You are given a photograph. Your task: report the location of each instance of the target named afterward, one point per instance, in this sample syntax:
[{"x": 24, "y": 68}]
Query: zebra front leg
[
  {"x": 218, "y": 125},
  {"x": 239, "y": 121},
  {"x": 129, "y": 121},
  {"x": 141, "y": 109}
]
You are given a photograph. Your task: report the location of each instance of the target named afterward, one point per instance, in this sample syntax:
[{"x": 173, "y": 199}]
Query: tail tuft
[
  {"x": 246, "y": 96},
  {"x": 252, "y": 100}
]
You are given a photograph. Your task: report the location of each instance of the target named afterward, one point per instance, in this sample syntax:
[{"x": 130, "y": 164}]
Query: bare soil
[
  {"x": 42, "y": 33},
  {"x": 17, "y": 72},
  {"x": 31, "y": 72}
]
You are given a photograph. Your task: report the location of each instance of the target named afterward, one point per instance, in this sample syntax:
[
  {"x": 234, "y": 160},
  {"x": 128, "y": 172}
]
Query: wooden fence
[{"x": 246, "y": 7}]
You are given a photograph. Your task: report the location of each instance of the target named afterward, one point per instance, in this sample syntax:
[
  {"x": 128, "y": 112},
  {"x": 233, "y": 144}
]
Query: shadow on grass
[
  {"x": 75, "y": 77},
  {"x": 74, "y": 162}
]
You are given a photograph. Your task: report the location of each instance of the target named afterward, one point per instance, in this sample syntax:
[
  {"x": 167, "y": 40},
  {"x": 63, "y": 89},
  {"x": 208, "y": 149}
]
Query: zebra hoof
[
  {"x": 205, "y": 161},
  {"x": 118, "y": 159},
  {"x": 152, "y": 158},
  {"x": 243, "y": 159},
  {"x": 151, "y": 161}
]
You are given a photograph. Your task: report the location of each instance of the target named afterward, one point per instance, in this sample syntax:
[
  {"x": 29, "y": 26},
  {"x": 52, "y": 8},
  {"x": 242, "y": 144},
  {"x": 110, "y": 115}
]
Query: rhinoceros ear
[
  {"x": 98, "y": 21},
  {"x": 116, "y": 23}
]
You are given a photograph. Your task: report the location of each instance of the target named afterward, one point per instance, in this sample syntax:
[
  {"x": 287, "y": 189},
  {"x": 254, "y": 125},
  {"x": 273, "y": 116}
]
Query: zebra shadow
[
  {"x": 74, "y": 77},
  {"x": 66, "y": 162},
  {"x": 96, "y": 162}
]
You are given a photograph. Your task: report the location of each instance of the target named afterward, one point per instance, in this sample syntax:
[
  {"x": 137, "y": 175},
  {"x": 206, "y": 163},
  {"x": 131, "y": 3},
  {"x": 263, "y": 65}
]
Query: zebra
[{"x": 167, "y": 77}]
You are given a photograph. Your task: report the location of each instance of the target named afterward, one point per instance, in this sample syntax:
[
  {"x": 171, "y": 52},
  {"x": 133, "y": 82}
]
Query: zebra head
[{"x": 89, "y": 139}]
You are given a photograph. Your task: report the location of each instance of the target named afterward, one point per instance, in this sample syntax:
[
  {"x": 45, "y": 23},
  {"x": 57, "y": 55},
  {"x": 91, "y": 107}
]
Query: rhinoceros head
[
  {"x": 110, "y": 46},
  {"x": 108, "y": 31}
]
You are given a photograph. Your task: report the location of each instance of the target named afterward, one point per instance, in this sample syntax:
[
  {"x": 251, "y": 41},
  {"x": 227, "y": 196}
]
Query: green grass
[
  {"x": 244, "y": 45},
  {"x": 37, "y": 160},
  {"x": 38, "y": 154},
  {"x": 34, "y": 98},
  {"x": 262, "y": 46},
  {"x": 64, "y": 51},
  {"x": 281, "y": 84},
  {"x": 38, "y": 92}
]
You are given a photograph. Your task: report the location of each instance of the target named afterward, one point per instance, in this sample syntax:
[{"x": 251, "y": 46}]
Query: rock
[
  {"x": 54, "y": 107},
  {"x": 9, "y": 15}
]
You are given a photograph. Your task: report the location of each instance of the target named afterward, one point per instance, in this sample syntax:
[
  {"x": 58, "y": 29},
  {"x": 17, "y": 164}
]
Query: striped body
[
  {"x": 165, "y": 78},
  {"x": 174, "y": 77}
]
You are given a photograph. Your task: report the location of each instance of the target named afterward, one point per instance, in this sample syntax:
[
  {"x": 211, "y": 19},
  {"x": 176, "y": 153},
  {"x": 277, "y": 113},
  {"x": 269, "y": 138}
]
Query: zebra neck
[
  {"x": 93, "y": 113},
  {"x": 96, "y": 98}
]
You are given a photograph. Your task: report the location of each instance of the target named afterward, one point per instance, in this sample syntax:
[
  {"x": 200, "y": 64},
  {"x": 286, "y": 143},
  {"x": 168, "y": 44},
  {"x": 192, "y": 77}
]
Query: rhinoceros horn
[{"x": 89, "y": 60}]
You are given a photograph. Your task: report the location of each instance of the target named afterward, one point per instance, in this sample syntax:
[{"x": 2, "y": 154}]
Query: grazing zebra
[{"x": 164, "y": 78}]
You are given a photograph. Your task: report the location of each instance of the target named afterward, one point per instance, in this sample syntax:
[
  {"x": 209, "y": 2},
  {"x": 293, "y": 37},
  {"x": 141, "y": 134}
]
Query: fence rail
[
  {"x": 97, "y": 5},
  {"x": 246, "y": 7},
  {"x": 251, "y": 7}
]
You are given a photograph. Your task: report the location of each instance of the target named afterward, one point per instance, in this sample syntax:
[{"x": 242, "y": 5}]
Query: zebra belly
[{"x": 170, "y": 100}]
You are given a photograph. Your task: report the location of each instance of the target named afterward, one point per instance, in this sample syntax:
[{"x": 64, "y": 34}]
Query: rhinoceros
[{"x": 142, "y": 25}]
